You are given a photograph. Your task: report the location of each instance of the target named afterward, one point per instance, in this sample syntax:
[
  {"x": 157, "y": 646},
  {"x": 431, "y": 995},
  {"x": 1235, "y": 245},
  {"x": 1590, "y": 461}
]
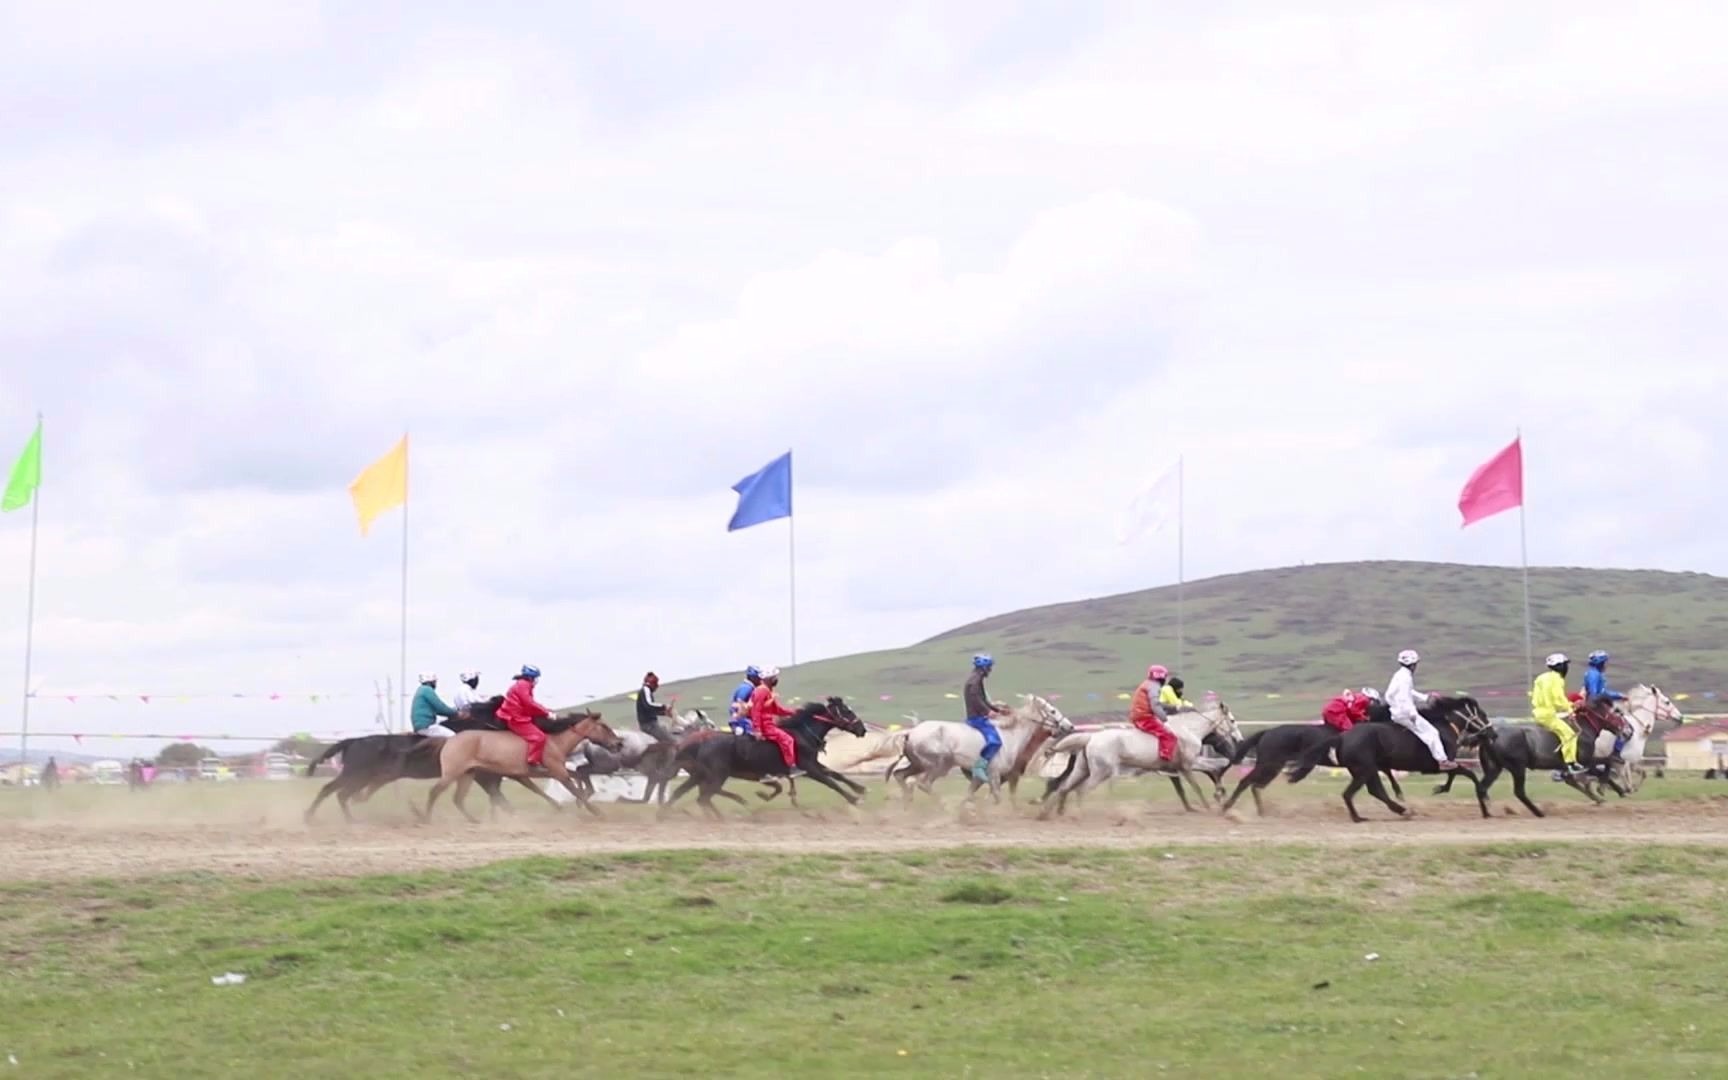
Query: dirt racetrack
[{"x": 131, "y": 839}]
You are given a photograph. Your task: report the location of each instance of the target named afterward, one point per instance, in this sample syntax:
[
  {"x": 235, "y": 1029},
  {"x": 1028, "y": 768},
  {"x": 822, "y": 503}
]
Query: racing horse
[
  {"x": 506, "y": 754},
  {"x": 933, "y": 748},
  {"x": 370, "y": 762},
  {"x": 1367, "y": 750},
  {"x": 642, "y": 752},
  {"x": 1098, "y": 756},
  {"x": 711, "y": 759},
  {"x": 1277, "y": 748}
]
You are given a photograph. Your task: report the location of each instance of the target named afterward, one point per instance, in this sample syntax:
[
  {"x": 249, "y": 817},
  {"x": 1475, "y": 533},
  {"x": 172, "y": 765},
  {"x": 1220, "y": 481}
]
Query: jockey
[
  {"x": 1346, "y": 710},
  {"x": 740, "y": 718},
  {"x": 1549, "y": 707},
  {"x": 765, "y": 712},
  {"x": 520, "y": 710},
  {"x": 649, "y": 711},
  {"x": 429, "y": 708},
  {"x": 1146, "y": 714},
  {"x": 1598, "y": 694},
  {"x": 979, "y": 710},
  {"x": 1170, "y": 698},
  {"x": 469, "y": 695},
  {"x": 1402, "y": 699}
]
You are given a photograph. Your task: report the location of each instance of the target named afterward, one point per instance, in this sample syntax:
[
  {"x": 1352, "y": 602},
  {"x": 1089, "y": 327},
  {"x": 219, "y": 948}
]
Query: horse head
[
  {"x": 589, "y": 726},
  {"x": 1221, "y": 722},
  {"x": 840, "y": 715},
  {"x": 1466, "y": 717},
  {"x": 1649, "y": 706},
  {"x": 1048, "y": 716}
]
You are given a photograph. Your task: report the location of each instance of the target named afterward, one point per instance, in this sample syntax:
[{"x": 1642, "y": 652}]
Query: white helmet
[
  {"x": 1409, "y": 658},
  {"x": 1556, "y": 659},
  {"x": 427, "y": 678},
  {"x": 1370, "y": 693},
  {"x": 470, "y": 676},
  {"x": 770, "y": 673}
]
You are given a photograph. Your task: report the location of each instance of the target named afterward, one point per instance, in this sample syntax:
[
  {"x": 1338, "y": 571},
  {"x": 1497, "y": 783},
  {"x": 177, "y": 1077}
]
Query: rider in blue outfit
[
  {"x": 1597, "y": 690},
  {"x": 978, "y": 713},
  {"x": 740, "y": 717}
]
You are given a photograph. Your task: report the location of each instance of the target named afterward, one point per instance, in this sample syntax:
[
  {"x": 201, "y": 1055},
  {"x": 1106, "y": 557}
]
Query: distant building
[{"x": 1701, "y": 744}]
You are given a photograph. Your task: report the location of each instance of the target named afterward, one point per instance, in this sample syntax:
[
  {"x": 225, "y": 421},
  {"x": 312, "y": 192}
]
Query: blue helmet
[
  {"x": 752, "y": 672},
  {"x": 529, "y": 671},
  {"x": 1599, "y": 658},
  {"x": 983, "y": 661}
]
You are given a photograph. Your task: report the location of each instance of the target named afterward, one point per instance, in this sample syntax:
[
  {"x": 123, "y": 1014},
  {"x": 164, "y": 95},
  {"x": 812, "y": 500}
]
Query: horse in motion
[
  {"x": 1367, "y": 750},
  {"x": 641, "y": 752},
  {"x": 931, "y": 749},
  {"x": 711, "y": 759},
  {"x": 1098, "y": 756},
  {"x": 370, "y": 762},
  {"x": 505, "y": 754},
  {"x": 1281, "y": 747}
]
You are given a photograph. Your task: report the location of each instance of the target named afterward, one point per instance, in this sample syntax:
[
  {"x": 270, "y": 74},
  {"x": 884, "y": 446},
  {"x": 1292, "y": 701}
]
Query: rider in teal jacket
[{"x": 428, "y": 706}]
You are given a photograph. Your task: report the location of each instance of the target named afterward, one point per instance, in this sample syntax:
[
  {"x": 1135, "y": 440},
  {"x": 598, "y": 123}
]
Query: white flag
[{"x": 1150, "y": 510}]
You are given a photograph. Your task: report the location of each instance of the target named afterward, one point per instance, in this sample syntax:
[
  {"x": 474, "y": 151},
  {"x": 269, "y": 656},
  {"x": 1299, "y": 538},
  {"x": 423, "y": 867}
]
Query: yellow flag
[{"x": 384, "y": 484}]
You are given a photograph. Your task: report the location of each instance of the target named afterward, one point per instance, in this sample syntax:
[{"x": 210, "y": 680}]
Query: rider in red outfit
[
  {"x": 1145, "y": 713},
  {"x": 519, "y": 710},
  {"x": 1346, "y": 710},
  {"x": 765, "y": 711}
]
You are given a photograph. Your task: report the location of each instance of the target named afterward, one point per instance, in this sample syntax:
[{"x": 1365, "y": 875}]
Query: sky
[{"x": 985, "y": 267}]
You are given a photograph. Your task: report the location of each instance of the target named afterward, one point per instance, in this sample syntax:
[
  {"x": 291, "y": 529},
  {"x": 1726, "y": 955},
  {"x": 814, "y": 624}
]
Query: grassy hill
[{"x": 1299, "y": 633}]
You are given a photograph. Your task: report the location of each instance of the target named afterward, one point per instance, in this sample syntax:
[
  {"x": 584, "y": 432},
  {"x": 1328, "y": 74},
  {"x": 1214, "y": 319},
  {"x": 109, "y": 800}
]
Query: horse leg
[
  {"x": 706, "y": 800},
  {"x": 531, "y": 786},
  {"x": 683, "y": 789},
  {"x": 432, "y": 796},
  {"x": 1446, "y": 788},
  {"x": 1518, "y": 774},
  {"x": 771, "y": 796},
  {"x": 325, "y": 792},
  {"x": 1350, "y": 791},
  {"x": 1258, "y": 777},
  {"x": 823, "y": 776},
  {"x": 1259, "y": 807},
  {"x": 460, "y": 796},
  {"x": 1198, "y": 791},
  {"x": 1176, "y": 782},
  {"x": 1397, "y": 792},
  {"x": 562, "y": 775},
  {"x": 1378, "y": 790}
]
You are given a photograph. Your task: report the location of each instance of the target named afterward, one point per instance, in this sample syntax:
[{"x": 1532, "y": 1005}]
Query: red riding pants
[
  {"x": 1166, "y": 737},
  {"x": 533, "y": 736},
  {"x": 770, "y": 730}
]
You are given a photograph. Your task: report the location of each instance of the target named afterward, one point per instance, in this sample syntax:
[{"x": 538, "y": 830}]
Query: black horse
[
  {"x": 1367, "y": 750},
  {"x": 715, "y": 758},
  {"x": 1520, "y": 749},
  {"x": 1281, "y": 746},
  {"x": 369, "y": 762}
]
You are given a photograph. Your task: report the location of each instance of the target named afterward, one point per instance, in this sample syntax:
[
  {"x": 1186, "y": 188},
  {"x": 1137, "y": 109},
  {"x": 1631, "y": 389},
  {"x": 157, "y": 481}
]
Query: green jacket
[{"x": 428, "y": 707}]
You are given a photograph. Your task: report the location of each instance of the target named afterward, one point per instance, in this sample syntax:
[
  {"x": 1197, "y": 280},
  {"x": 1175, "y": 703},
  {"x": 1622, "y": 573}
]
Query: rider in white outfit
[
  {"x": 1404, "y": 700},
  {"x": 469, "y": 694}
]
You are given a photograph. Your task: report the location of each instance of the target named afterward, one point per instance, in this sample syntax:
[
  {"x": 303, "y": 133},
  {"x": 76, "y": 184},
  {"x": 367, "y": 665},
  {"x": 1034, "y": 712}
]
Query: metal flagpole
[
  {"x": 402, "y": 698},
  {"x": 1524, "y": 560},
  {"x": 30, "y": 624},
  {"x": 1180, "y": 575},
  {"x": 792, "y": 580}
]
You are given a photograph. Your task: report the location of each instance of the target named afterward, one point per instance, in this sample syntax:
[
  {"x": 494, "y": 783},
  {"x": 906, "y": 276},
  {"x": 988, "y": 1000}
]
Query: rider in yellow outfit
[
  {"x": 1171, "y": 697},
  {"x": 1549, "y": 707}
]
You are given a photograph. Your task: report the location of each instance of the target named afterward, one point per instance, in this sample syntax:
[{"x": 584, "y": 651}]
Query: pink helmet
[{"x": 1158, "y": 671}]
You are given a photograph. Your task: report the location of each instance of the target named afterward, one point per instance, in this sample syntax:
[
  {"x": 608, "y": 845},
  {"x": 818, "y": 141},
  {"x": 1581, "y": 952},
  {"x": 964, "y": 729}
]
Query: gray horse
[{"x": 590, "y": 760}]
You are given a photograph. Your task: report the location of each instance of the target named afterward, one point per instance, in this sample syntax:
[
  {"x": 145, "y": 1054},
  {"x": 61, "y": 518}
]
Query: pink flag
[{"x": 1498, "y": 485}]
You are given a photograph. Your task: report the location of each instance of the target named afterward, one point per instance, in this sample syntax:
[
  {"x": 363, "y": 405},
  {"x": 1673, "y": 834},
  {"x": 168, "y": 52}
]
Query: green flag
[{"x": 26, "y": 475}]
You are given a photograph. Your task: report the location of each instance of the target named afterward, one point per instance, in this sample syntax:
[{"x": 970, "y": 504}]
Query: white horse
[
  {"x": 1098, "y": 756},
  {"x": 1644, "y": 708},
  {"x": 588, "y": 760},
  {"x": 932, "y": 748}
]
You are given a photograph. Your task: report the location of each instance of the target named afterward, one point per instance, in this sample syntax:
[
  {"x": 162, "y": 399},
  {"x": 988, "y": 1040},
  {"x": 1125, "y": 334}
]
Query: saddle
[{"x": 1592, "y": 718}]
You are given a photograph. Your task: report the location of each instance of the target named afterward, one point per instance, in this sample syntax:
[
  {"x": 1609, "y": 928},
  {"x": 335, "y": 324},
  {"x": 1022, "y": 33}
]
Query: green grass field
[
  {"x": 1494, "y": 961},
  {"x": 1300, "y": 633}
]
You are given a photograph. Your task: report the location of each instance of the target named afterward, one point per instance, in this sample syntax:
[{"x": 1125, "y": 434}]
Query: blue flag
[{"x": 764, "y": 495}]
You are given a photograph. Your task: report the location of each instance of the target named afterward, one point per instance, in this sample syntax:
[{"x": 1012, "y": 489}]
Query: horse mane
[{"x": 556, "y": 724}]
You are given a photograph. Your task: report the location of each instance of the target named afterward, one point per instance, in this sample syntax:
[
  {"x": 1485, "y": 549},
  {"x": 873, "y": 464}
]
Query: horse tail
[
  {"x": 1054, "y": 784},
  {"x": 1072, "y": 743},
  {"x": 1247, "y": 746},
  {"x": 330, "y": 752},
  {"x": 1312, "y": 759}
]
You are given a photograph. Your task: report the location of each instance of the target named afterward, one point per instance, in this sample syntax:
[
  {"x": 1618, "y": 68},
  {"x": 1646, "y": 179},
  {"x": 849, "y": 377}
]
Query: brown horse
[{"x": 505, "y": 754}]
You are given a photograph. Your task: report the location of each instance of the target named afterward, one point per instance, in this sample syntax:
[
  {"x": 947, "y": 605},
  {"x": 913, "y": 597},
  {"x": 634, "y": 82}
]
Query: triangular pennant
[{"x": 145, "y": 698}]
